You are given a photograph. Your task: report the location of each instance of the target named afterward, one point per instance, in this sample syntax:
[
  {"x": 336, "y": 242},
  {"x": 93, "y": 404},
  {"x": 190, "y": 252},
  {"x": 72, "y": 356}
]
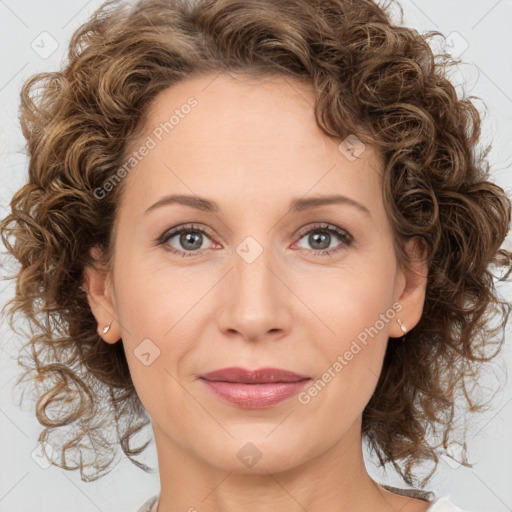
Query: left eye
[{"x": 320, "y": 237}]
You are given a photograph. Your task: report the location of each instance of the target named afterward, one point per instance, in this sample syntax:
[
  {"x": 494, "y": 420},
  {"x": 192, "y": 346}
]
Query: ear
[
  {"x": 411, "y": 287},
  {"x": 97, "y": 284}
]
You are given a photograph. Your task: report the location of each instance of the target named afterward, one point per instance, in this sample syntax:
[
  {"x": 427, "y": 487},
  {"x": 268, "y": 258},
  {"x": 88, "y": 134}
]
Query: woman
[{"x": 338, "y": 284}]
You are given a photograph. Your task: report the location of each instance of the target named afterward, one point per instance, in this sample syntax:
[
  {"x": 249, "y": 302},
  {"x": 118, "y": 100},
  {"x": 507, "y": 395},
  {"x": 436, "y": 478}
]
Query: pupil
[
  {"x": 187, "y": 236},
  {"x": 323, "y": 236}
]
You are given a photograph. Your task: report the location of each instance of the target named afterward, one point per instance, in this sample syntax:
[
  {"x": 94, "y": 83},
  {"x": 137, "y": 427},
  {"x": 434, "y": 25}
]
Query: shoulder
[
  {"x": 148, "y": 505},
  {"x": 444, "y": 505},
  {"x": 437, "y": 504}
]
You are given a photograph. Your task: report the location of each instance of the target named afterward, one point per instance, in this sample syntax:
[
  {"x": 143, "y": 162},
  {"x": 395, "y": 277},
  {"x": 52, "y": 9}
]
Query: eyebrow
[{"x": 296, "y": 205}]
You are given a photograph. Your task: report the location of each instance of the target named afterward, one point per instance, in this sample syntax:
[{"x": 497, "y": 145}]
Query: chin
[{"x": 255, "y": 454}]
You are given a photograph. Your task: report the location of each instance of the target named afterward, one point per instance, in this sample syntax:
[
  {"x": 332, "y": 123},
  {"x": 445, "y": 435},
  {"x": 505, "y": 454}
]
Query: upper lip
[{"x": 258, "y": 376}]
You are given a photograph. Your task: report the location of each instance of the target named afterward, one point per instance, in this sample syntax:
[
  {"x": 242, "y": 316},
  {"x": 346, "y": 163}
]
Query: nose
[{"x": 256, "y": 302}]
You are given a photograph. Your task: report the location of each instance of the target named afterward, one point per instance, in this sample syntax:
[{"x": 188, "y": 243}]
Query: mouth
[
  {"x": 260, "y": 376},
  {"x": 254, "y": 389}
]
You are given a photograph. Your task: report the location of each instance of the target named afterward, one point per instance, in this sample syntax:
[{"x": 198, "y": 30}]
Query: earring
[
  {"x": 402, "y": 326},
  {"x": 107, "y": 327}
]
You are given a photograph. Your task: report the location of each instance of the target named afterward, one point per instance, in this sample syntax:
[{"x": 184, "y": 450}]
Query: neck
[{"x": 333, "y": 481}]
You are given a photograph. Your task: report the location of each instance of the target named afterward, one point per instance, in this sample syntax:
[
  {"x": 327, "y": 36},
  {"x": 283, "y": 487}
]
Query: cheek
[
  {"x": 349, "y": 370},
  {"x": 148, "y": 307},
  {"x": 350, "y": 301},
  {"x": 162, "y": 313},
  {"x": 150, "y": 299},
  {"x": 357, "y": 310}
]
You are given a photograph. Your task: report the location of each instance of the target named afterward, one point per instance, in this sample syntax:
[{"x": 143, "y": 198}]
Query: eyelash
[{"x": 329, "y": 228}]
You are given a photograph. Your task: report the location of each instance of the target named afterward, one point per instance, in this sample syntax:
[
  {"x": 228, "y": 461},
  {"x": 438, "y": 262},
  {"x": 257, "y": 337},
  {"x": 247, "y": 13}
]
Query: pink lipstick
[{"x": 254, "y": 389}]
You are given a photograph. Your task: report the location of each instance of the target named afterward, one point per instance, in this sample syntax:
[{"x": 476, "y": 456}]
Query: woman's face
[{"x": 260, "y": 281}]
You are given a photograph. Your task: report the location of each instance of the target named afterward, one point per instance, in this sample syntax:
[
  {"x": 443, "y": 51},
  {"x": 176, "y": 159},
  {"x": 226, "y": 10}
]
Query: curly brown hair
[{"x": 371, "y": 77}]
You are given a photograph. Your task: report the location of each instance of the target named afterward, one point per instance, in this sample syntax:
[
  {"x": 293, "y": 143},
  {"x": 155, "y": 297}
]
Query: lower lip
[{"x": 255, "y": 396}]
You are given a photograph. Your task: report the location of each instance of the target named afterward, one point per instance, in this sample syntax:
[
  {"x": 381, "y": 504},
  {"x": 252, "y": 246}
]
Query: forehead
[
  {"x": 256, "y": 137},
  {"x": 237, "y": 110}
]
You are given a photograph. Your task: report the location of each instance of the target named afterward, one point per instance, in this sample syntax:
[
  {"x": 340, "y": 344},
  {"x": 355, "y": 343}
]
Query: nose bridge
[
  {"x": 255, "y": 283},
  {"x": 254, "y": 303}
]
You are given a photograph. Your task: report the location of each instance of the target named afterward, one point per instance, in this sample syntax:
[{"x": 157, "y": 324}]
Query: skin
[{"x": 252, "y": 146}]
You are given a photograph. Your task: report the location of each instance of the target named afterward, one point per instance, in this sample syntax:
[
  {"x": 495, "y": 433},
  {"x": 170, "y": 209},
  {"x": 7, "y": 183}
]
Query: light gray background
[{"x": 479, "y": 29}]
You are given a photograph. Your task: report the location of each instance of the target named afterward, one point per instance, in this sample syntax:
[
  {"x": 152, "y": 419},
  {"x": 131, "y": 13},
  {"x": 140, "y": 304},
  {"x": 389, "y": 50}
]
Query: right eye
[{"x": 190, "y": 237}]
